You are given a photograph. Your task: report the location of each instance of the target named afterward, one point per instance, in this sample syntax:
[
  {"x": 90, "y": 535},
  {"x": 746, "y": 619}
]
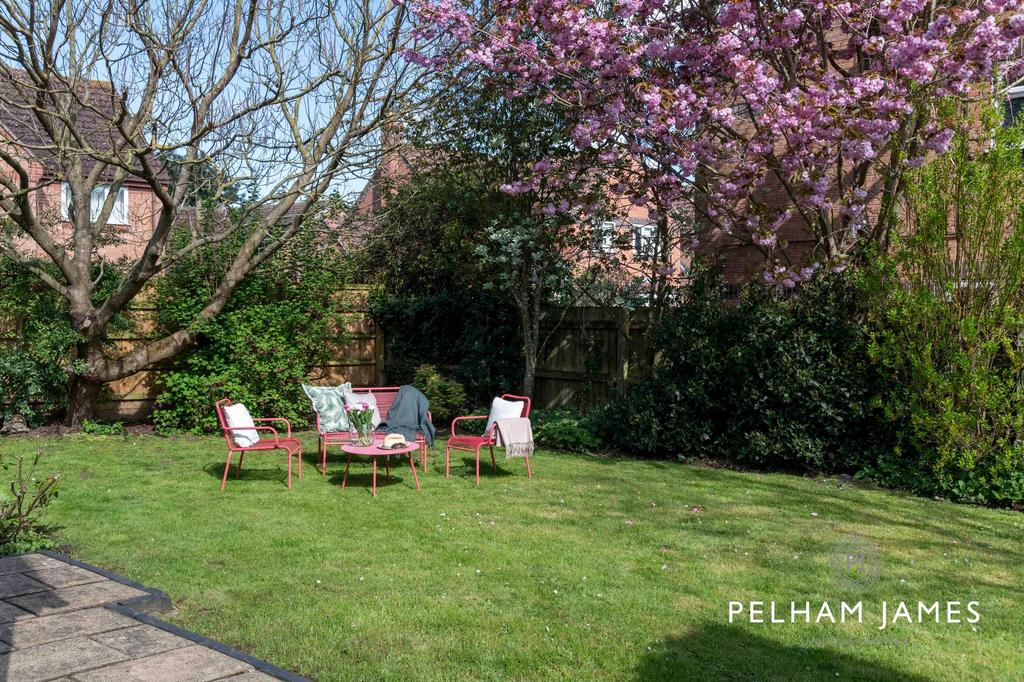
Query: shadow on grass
[
  {"x": 257, "y": 470},
  {"x": 941, "y": 522},
  {"x": 728, "y": 652},
  {"x": 467, "y": 469},
  {"x": 361, "y": 476}
]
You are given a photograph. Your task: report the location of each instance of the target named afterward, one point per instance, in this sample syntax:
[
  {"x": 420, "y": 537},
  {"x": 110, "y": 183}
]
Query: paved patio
[{"x": 63, "y": 620}]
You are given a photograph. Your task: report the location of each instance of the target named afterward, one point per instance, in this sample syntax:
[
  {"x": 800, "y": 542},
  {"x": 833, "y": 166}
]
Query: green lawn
[{"x": 594, "y": 569}]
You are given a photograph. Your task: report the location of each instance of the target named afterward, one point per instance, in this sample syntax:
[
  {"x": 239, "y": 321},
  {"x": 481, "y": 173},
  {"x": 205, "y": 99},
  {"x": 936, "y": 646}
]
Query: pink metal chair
[
  {"x": 292, "y": 445},
  {"x": 474, "y": 443}
]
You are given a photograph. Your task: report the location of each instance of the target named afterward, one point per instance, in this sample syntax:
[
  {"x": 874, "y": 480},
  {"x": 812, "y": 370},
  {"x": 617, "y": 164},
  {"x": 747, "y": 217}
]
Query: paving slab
[
  {"x": 10, "y": 612},
  {"x": 49, "y": 661},
  {"x": 191, "y": 664},
  {"x": 14, "y": 584},
  {"x": 65, "y": 621},
  {"x": 76, "y": 597},
  {"x": 35, "y": 631},
  {"x": 23, "y": 563},
  {"x": 141, "y": 641},
  {"x": 65, "y": 576}
]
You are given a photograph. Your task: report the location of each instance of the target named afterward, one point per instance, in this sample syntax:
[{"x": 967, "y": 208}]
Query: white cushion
[
  {"x": 504, "y": 409},
  {"x": 237, "y": 416},
  {"x": 353, "y": 399}
]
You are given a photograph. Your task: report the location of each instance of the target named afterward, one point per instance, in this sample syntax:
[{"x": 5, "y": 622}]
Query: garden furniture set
[{"x": 243, "y": 432}]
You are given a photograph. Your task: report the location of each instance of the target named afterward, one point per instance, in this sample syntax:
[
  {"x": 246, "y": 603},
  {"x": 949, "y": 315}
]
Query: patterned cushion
[{"x": 329, "y": 404}]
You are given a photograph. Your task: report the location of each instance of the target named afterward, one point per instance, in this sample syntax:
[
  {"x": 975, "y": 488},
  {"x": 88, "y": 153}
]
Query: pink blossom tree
[{"x": 752, "y": 114}]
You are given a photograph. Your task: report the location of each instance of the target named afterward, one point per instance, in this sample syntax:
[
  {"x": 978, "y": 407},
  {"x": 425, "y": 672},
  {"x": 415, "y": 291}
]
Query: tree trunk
[
  {"x": 82, "y": 402},
  {"x": 531, "y": 336},
  {"x": 529, "y": 374},
  {"x": 530, "y": 333},
  {"x": 623, "y": 344}
]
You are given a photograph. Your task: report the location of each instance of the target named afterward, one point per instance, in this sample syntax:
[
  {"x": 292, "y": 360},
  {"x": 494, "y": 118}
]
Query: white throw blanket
[{"x": 515, "y": 435}]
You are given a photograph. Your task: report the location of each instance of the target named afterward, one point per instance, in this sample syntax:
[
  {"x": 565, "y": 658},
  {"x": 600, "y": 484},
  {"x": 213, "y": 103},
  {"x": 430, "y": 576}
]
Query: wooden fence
[
  {"x": 592, "y": 353},
  {"x": 360, "y": 361}
]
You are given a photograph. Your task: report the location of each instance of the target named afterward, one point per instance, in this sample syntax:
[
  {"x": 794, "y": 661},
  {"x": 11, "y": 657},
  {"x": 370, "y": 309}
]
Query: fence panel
[
  {"x": 591, "y": 354},
  {"x": 358, "y": 361}
]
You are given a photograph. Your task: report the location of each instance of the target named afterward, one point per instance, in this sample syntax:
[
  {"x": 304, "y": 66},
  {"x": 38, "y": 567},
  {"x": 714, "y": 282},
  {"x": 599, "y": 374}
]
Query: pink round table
[{"x": 373, "y": 452}]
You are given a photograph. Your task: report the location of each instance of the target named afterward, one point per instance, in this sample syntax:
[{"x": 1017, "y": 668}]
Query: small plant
[
  {"x": 563, "y": 429},
  {"x": 37, "y": 346},
  {"x": 101, "y": 429},
  {"x": 20, "y": 507},
  {"x": 447, "y": 397}
]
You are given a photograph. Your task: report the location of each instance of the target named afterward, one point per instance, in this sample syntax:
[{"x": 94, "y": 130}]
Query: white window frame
[
  {"x": 118, "y": 212},
  {"x": 65, "y": 202},
  {"x": 604, "y": 237},
  {"x": 1016, "y": 92},
  {"x": 643, "y": 240}
]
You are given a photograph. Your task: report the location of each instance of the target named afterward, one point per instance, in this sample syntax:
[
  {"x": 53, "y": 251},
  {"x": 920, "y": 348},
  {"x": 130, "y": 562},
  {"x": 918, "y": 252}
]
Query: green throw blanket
[{"x": 408, "y": 414}]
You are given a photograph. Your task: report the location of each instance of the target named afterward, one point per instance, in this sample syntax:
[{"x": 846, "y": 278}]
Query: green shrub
[
  {"x": 284, "y": 319},
  {"x": 947, "y": 326},
  {"x": 21, "y": 505},
  {"x": 563, "y": 429},
  {"x": 447, "y": 397},
  {"x": 37, "y": 341},
  {"x": 772, "y": 381},
  {"x": 36, "y": 346},
  {"x": 94, "y": 428}
]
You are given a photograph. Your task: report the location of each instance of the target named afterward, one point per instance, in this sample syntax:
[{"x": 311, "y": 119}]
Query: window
[
  {"x": 644, "y": 244},
  {"x": 118, "y": 213},
  {"x": 1013, "y": 106},
  {"x": 604, "y": 237}
]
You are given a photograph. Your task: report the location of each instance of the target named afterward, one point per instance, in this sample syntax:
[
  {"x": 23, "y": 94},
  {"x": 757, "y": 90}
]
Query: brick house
[
  {"x": 135, "y": 208},
  {"x": 741, "y": 261},
  {"x": 626, "y": 235}
]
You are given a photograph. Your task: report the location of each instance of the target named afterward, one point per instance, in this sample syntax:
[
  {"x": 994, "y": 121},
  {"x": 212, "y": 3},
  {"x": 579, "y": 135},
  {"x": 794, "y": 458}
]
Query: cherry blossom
[{"x": 753, "y": 114}]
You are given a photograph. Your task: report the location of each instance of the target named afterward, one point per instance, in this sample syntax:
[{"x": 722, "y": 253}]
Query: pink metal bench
[{"x": 385, "y": 396}]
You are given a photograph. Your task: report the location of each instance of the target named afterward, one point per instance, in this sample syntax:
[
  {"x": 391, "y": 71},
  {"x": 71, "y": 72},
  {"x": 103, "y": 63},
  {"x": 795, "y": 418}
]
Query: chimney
[{"x": 390, "y": 135}]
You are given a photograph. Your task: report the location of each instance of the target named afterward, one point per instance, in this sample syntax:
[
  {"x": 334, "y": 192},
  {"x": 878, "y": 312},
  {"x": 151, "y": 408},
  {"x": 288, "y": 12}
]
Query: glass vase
[{"x": 362, "y": 435}]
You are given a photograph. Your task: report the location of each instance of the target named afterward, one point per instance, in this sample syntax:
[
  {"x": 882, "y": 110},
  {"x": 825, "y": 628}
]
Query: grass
[{"x": 594, "y": 569}]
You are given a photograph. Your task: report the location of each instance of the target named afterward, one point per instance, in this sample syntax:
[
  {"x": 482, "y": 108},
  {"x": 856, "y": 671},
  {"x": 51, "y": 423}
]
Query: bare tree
[{"x": 285, "y": 96}]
